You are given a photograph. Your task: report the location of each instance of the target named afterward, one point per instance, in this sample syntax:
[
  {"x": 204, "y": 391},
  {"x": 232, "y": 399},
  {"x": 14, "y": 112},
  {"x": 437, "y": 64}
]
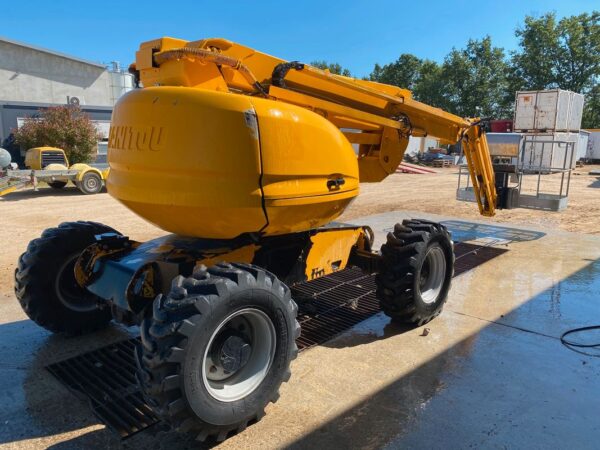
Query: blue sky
[{"x": 357, "y": 34}]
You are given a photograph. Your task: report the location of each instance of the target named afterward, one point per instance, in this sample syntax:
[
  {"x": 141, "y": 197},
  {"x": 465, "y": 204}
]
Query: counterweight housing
[{"x": 216, "y": 165}]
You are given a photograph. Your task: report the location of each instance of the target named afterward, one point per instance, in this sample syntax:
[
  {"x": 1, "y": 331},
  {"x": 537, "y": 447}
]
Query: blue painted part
[
  {"x": 114, "y": 273},
  {"x": 114, "y": 277}
]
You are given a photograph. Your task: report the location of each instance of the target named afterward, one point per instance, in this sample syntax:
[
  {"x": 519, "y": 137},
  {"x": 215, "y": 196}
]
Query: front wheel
[
  {"x": 416, "y": 271},
  {"x": 216, "y": 350}
]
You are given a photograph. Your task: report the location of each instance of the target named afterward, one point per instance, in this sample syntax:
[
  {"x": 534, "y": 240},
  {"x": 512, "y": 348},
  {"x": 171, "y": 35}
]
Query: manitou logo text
[{"x": 136, "y": 138}]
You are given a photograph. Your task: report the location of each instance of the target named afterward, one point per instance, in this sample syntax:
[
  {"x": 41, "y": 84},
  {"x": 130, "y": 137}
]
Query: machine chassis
[{"x": 129, "y": 274}]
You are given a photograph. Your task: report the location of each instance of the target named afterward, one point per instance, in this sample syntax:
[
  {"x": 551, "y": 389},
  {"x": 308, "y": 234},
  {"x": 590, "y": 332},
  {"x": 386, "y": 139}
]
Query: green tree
[
  {"x": 479, "y": 80},
  {"x": 332, "y": 67},
  {"x": 561, "y": 54},
  {"x": 404, "y": 72},
  {"x": 421, "y": 76},
  {"x": 591, "y": 110},
  {"x": 470, "y": 82},
  {"x": 473, "y": 80},
  {"x": 430, "y": 87},
  {"x": 579, "y": 52},
  {"x": 534, "y": 66},
  {"x": 65, "y": 127}
]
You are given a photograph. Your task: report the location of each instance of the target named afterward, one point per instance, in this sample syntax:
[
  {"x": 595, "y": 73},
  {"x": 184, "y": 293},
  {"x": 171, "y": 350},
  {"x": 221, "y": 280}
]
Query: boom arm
[{"x": 378, "y": 117}]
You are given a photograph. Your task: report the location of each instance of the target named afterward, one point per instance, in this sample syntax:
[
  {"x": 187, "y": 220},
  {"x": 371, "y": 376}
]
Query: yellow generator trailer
[
  {"x": 247, "y": 160},
  {"x": 50, "y": 165}
]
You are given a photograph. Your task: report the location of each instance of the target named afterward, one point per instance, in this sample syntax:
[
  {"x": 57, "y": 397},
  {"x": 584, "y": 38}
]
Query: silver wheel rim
[
  {"x": 247, "y": 327},
  {"x": 67, "y": 290},
  {"x": 433, "y": 274},
  {"x": 91, "y": 183}
]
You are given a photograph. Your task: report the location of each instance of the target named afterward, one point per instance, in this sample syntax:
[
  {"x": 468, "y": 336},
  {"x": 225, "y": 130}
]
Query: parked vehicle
[{"x": 50, "y": 165}]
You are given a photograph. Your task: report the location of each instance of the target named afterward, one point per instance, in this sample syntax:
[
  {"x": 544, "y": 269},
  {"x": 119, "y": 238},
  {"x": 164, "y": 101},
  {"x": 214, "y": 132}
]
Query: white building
[{"x": 32, "y": 78}]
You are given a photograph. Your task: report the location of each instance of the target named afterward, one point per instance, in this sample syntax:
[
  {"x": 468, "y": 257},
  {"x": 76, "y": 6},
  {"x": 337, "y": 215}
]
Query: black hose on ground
[{"x": 575, "y": 346}]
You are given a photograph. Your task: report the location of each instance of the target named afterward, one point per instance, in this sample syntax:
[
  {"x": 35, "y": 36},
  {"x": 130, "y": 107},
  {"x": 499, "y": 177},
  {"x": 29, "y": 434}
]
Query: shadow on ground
[
  {"x": 67, "y": 191},
  {"x": 463, "y": 231},
  {"x": 511, "y": 384},
  {"x": 595, "y": 184},
  {"x": 36, "y": 405}
]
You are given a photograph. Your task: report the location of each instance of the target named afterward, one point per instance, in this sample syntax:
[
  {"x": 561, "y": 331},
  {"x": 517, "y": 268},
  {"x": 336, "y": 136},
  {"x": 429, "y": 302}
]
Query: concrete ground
[{"x": 491, "y": 372}]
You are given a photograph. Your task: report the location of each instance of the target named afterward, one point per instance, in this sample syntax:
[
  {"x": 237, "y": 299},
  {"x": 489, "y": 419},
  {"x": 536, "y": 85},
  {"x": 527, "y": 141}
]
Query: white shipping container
[
  {"x": 552, "y": 110},
  {"x": 555, "y": 154},
  {"x": 576, "y": 111},
  {"x": 582, "y": 144},
  {"x": 593, "y": 149}
]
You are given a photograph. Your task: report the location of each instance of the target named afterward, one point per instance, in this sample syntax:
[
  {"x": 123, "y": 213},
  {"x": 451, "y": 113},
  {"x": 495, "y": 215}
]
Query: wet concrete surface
[{"x": 491, "y": 373}]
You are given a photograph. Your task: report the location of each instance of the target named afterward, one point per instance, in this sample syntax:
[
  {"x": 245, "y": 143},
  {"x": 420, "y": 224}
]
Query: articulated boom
[
  {"x": 381, "y": 117},
  {"x": 247, "y": 160}
]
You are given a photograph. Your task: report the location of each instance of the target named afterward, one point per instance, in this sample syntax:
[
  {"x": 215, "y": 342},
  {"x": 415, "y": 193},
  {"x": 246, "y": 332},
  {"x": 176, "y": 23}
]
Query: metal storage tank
[{"x": 121, "y": 81}]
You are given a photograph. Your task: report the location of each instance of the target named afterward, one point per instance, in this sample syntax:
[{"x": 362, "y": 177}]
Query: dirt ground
[
  {"x": 436, "y": 194},
  {"x": 25, "y": 214}
]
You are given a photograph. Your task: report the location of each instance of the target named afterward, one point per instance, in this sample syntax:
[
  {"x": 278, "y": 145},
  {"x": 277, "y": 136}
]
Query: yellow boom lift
[{"x": 247, "y": 159}]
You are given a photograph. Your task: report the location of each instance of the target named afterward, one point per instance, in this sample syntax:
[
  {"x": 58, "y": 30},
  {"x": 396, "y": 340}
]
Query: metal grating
[
  {"x": 328, "y": 307},
  {"x": 333, "y": 304},
  {"x": 106, "y": 378}
]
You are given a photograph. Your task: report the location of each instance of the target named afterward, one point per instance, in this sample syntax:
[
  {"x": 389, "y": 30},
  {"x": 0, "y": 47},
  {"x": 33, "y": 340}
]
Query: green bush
[{"x": 65, "y": 127}]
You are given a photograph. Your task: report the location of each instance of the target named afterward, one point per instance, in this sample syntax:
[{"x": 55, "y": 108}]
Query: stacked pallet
[{"x": 441, "y": 163}]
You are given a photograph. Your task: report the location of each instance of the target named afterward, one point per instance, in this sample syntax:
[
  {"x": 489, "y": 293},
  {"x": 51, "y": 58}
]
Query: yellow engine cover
[{"x": 216, "y": 165}]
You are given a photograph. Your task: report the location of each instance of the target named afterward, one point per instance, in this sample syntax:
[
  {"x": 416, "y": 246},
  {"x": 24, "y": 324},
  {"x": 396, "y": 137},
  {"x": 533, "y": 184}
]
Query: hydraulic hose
[
  {"x": 209, "y": 56},
  {"x": 281, "y": 70}
]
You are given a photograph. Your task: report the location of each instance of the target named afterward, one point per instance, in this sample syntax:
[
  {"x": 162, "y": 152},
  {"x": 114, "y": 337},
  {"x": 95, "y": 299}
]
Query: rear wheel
[
  {"x": 217, "y": 348},
  {"x": 91, "y": 183},
  {"x": 45, "y": 282},
  {"x": 57, "y": 184},
  {"x": 416, "y": 271}
]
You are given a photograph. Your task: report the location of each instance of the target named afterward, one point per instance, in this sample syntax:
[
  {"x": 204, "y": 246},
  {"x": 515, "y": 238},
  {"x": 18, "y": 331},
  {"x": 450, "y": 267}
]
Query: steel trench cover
[{"x": 328, "y": 306}]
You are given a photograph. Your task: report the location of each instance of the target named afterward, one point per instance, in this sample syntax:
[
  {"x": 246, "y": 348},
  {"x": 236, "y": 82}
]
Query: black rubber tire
[
  {"x": 403, "y": 258},
  {"x": 179, "y": 329},
  {"x": 57, "y": 184},
  {"x": 91, "y": 183},
  {"x": 42, "y": 266}
]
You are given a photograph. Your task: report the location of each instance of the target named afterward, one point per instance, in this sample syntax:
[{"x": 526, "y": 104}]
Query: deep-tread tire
[
  {"x": 91, "y": 183},
  {"x": 403, "y": 257},
  {"x": 57, "y": 184},
  {"x": 179, "y": 329},
  {"x": 38, "y": 272}
]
